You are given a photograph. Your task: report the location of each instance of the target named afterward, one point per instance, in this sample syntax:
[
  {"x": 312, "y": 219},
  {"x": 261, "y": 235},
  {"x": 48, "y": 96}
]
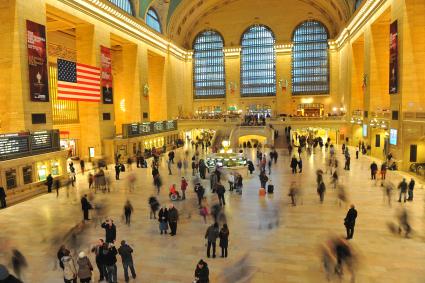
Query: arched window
[
  {"x": 124, "y": 5},
  {"x": 258, "y": 62},
  {"x": 310, "y": 62},
  {"x": 152, "y": 20},
  {"x": 208, "y": 65}
]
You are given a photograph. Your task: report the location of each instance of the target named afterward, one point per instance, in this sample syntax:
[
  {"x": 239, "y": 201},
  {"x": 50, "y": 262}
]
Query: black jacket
[
  {"x": 224, "y": 238},
  {"x": 2, "y": 193},
  {"x": 163, "y": 215},
  {"x": 202, "y": 274},
  {"x": 111, "y": 232},
  {"x": 110, "y": 256},
  {"x": 350, "y": 219},
  {"x": 173, "y": 215},
  {"x": 125, "y": 252},
  {"x": 220, "y": 190},
  {"x": 85, "y": 205},
  {"x": 11, "y": 279}
]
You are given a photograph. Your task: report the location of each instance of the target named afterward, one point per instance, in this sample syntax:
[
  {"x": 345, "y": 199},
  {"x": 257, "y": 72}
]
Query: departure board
[
  {"x": 148, "y": 128},
  {"x": 41, "y": 140},
  {"x": 14, "y": 143}
]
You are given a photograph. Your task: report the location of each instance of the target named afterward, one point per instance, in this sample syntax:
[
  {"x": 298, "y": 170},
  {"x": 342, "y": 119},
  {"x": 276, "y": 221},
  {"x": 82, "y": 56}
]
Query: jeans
[
  {"x": 213, "y": 244},
  {"x": 127, "y": 265},
  {"x": 221, "y": 199},
  {"x": 102, "y": 271},
  {"x": 112, "y": 273}
]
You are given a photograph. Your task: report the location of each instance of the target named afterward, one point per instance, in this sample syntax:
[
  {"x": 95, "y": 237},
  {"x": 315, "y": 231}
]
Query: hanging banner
[
  {"x": 394, "y": 58},
  {"x": 37, "y": 62},
  {"x": 106, "y": 75}
]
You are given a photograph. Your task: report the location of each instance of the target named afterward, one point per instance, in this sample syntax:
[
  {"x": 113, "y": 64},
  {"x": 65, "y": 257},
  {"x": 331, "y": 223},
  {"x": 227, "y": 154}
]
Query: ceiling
[{"x": 183, "y": 19}]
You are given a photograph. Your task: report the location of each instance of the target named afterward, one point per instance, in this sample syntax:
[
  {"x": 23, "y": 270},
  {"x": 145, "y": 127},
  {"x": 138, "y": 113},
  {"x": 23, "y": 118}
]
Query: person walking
[
  {"x": 111, "y": 263},
  {"x": 403, "y": 189},
  {"x": 163, "y": 220},
  {"x": 211, "y": 235},
  {"x": 117, "y": 171},
  {"x": 200, "y": 191},
  {"x": 154, "y": 206},
  {"x": 347, "y": 161},
  {"x": 2, "y": 198},
  {"x": 294, "y": 164},
  {"x": 125, "y": 252},
  {"x": 224, "y": 240},
  {"x": 263, "y": 179},
  {"x": 357, "y": 153},
  {"x": 110, "y": 230},
  {"x": 169, "y": 164},
  {"x": 179, "y": 166},
  {"x": 173, "y": 217},
  {"x": 202, "y": 272},
  {"x": 128, "y": 210},
  {"x": 49, "y": 183},
  {"x": 300, "y": 165},
  {"x": 57, "y": 185},
  {"x": 183, "y": 187},
  {"x": 69, "y": 269},
  {"x": 321, "y": 189},
  {"x": 411, "y": 187},
  {"x": 383, "y": 170},
  {"x": 373, "y": 170},
  {"x": 350, "y": 221},
  {"x": 100, "y": 259},
  {"x": 82, "y": 166},
  {"x": 84, "y": 268},
  {"x": 85, "y": 206},
  {"x": 220, "y": 190}
]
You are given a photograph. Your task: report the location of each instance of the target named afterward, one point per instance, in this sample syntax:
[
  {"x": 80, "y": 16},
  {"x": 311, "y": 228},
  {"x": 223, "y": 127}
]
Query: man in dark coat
[
  {"x": 411, "y": 187},
  {"x": 202, "y": 168},
  {"x": 2, "y": 198},
  {"x": 220, "y": 190},
  {"x": 110, "y": 255},
  {"x": 125, "y": 252},
  {"x": 350, "y": 221},
  {"x": 202, "y": 272},
  {"x": 294, "y": 164},
  {"x": 211, "y": 235},
  {"x": 49, "y": 183},
  {"x": 85, "y": 206},
  {"x": 173, "y": 217},
  {"x": 100, "y": 259},
  {"x": 321, "y": 190},
  {"x": 110, "y": 231},
  {"x": 117, "y": 171},
  {"x": 200, "y": 191},
  {"x": 403, "y": 189},
  {"x": 373, "y": 170}
]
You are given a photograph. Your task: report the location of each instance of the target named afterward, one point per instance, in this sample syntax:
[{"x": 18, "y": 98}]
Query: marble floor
[{"x": 288, "y": 252}]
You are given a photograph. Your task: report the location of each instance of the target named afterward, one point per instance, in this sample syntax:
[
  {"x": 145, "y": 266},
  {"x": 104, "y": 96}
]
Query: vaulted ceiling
[{"x": 183, "y": 19}]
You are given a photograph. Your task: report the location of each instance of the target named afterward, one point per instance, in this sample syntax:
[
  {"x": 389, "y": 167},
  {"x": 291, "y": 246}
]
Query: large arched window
[
  {"x": 124, "y": 5},
  {"x": 310, "y": 62},
  {"x": 152, "y": 20},
  {"x": 258, "y": 62},
  {"x": 208, "y": 65}
]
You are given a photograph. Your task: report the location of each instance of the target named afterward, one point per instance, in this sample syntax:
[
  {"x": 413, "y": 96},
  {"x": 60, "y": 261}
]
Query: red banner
[
  {"x": 37, "y": 62},
  {"x": 394, "y": 58},
  {"x": 106, "y": 75}
]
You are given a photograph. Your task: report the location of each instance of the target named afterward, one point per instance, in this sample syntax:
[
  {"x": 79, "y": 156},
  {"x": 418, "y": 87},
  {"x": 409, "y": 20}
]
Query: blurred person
[
  {"x": 85, "y": 207},
  {"x": 69, "y": 270},
  {"x": 411, "y": 186},
  {"x": 6, "y": 277},
  {"x": 2, "y": 198},
  {"x": 200, "y": 191},
  {"x": 173, "y": 217},
  {"x": 202, "y": 272},
  {"x": 383, "y": 170},
  {"x": 19, "y": 262},
  {"x": 128, "y": 210},
  {"x": 373, "y": 170},
  {"x": 403, "y": 189},
  {"x": 211, "y": 235},
  {"x": 154, "y": 206},
  {"x": 220, "y": 190},
  {"x": 293, "y": 192},
  {"x": 224, "y": 239},
  {"x": 404, "y": 225},
  {"x": 321, "y": 189},
  {"x": 163, "y": 220},
  {"x": 111, "y": 262}
]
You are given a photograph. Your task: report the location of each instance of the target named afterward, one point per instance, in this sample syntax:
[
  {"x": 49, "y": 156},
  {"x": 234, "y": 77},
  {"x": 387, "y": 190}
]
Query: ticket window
[
  {"x": 11, "y": 181},
  {"x": 55, "y": 168},
  {"x": 27, "y": 174},
  {"x": 42, "y": 171}
]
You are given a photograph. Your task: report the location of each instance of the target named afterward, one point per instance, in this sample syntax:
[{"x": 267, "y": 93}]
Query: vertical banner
[
  {"x": 394, "y": 58},
  {"x": 37, "y": 62},
  {"x": 106, "y": 75}
]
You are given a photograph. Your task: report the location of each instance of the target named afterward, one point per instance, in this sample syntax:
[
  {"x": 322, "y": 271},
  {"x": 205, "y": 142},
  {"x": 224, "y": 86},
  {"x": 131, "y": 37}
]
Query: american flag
[{"x": 78, "y": 81}]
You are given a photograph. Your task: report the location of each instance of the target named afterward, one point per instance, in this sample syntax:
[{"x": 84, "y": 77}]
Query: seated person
[{"x": 173, "y": 191}]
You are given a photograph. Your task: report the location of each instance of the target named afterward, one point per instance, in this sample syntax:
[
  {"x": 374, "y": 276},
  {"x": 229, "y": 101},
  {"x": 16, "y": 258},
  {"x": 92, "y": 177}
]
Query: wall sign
[
  {"x": 394, "y": 58},
  {"x": 393, "y": 136},
  {"x": 37, "y": 62},
  {"x": 106, "y": 75},
  {"x": 148, "y": 128}
]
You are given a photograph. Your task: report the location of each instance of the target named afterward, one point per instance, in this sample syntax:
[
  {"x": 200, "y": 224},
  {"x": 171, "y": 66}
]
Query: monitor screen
[
  {"x": 393, "y": 136},
  {"x": 364, "y": 130}
]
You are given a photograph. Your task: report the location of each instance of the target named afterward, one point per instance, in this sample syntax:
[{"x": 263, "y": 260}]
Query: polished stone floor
[{"x": 259, "y": 250}]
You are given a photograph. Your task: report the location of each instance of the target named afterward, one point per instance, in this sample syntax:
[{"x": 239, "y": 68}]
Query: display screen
[
  {"x": 393, "y": 136},
  {"x": 148, "y": 128},
  {"x": 13, "y": 144},
  {"x": 41, "y": 140},
  {"x": 364, "y": 130}
]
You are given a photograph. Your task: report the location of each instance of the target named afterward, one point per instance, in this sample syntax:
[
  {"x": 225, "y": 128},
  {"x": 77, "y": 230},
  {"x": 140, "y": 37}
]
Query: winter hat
[
  {"x": 81, "y": 255},
  {"x": 4, "y": 273}
]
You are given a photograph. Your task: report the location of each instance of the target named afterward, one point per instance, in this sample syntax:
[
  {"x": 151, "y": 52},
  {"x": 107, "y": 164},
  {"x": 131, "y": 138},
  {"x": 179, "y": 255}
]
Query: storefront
[
  {"x": 310, "y": 110},
  {"x": 259, "y": 110},
  {"x": 68, "y": 144}
]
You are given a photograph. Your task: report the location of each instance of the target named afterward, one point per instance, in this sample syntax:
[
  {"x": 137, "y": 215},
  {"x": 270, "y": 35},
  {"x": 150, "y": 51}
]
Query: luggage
[
  {"x": 262, "y": 192},
  {"x": 270, "y": 189}
]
